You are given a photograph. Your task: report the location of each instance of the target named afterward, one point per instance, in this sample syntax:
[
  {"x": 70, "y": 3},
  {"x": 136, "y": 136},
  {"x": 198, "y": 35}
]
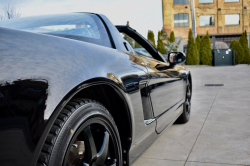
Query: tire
[
  {"x": 185, "y": 116},
  {"x": 84, "y": 133}
]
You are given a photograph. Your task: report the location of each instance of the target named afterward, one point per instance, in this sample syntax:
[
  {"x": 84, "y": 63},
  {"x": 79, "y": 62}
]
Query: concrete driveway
[{"x": 218, "y": 133}]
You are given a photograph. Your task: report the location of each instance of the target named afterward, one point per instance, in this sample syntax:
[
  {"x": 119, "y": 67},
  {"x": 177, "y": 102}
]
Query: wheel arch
[{"x": 99, "y": 89}]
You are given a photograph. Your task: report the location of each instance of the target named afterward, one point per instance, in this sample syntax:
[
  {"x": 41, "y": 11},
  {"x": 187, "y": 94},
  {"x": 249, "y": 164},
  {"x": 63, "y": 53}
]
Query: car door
[{"x": 165, "y": 87}]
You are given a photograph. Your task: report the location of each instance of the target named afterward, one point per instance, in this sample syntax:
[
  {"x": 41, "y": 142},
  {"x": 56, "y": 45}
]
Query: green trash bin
[{"x": 223, "y": 57}]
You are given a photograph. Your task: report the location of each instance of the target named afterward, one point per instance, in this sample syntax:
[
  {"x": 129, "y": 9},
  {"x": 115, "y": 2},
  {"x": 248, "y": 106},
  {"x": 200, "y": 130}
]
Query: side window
[
  {"x": 77, "y": 26},
  {"x": 136, "y": 46}
]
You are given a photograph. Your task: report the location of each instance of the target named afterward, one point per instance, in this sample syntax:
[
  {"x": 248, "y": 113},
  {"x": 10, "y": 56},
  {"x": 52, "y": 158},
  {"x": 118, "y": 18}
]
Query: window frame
[
  {"x": 206, "y": 25},
  {"x": 232, "y": 24},
  {"x": 180, "y": 3},
  {"x": 231, "y": 2},
  {"x": 137, "y": 50},
  {"x": 206, "y": 2},
  {"x": 142, "y": 41},
  {"x": 183, "y": 16}
]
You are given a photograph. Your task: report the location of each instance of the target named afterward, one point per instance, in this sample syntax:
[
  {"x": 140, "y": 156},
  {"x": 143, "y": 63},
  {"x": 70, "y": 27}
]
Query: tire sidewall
[
  {"x": 184, "y": 115},
  {"x": 77, "y": 119}
]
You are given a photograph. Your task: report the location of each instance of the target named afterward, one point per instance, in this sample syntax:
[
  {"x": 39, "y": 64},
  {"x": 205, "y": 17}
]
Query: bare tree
[{"x": 10, "y": 12}]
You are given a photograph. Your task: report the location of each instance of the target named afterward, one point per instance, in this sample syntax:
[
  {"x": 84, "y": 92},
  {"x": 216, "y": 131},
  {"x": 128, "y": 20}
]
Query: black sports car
[{"x": 74, "y": 92}]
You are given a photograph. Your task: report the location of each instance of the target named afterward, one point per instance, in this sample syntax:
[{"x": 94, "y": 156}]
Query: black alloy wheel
[
  {"x": 184, "y": 117},
  {"x": 84, "y": 134},
  {"x": 93, "y": 144}
]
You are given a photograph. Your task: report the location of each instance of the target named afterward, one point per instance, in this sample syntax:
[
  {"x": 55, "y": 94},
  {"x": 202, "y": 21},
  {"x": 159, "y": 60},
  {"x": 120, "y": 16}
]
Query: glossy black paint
[
  {"x": 22, "y": 104},
  {"x": 166, "y": 87},
  {"x": 39, "y": 74}
]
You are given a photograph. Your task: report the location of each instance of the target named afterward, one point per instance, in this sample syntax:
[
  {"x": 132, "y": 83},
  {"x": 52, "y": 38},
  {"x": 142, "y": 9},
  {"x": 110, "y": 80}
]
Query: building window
[
  {"x": 207, "y": 20},
  {"x": 232, "y": 0},
  {"x": 232, "y": 19},
  {"x": 180, "y": 2},
  {"x": 181, "y": 20},
  {"x": 206, "y": 1}
]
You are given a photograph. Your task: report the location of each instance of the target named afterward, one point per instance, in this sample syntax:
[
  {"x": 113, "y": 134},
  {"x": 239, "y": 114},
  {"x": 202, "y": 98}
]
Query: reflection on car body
[{"x": 73, "y": 91}]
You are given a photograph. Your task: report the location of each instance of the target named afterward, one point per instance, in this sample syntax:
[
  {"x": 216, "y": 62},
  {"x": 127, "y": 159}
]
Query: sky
[{"x": 143, "y": 15}]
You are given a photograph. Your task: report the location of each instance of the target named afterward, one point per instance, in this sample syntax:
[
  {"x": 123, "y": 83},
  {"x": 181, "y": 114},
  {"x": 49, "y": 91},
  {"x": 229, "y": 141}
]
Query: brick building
[{"x": 224, "y": 19}]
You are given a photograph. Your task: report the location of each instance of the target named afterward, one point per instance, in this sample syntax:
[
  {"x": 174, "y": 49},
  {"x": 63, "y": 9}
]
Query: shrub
[
  {"x": 198, "y": 43},
  {"x": 151, "y": 37},
  {"x": 169, "y": 47},
  {"x": 244, "y": 43},
  {"x": 206, "y": 51},
  {"x": 160, "y": 45},
  {"x": 190, "y": 35},
  {"x": 239, "y": 51},
  {"x": 192, "y": 54},
  {"x": 247, "y": 60},
  {"x": 172, "y": 38}
]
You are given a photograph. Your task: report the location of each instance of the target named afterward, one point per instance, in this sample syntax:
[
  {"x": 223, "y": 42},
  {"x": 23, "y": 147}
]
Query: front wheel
[
  {"x": 184, "y": 117},
  {"x": 84, "y": 134}
]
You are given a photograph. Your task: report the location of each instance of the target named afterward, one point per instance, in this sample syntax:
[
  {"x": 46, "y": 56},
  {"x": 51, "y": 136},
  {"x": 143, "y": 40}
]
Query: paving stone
[
  {"x": 218, "y": 133},
  {"x": 157, "y": 162},
  {"x": 208, "y": 164}
]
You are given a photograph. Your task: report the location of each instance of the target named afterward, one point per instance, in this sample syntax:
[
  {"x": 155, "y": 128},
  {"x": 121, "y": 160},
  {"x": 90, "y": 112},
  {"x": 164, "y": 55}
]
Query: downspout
[
  {"x": 192, "y": 8},
  {"x": 162, "y": 15},
  {"x": 242, "y": 16},
  {"x": 218, "y": 17}
]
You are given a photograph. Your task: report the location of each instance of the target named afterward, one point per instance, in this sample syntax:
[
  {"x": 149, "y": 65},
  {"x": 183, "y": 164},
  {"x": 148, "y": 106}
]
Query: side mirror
[{"x": 176, "y": 57}]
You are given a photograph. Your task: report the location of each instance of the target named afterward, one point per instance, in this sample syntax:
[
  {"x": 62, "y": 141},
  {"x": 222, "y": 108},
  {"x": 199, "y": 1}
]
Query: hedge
[
  {"x": 192, "y": 54},
  {"x": 244, "y": 43},
  {"x": 206, "y": 51},
  {"x": 151, "y": 37},
  {"x": 239, "y": 51}
]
